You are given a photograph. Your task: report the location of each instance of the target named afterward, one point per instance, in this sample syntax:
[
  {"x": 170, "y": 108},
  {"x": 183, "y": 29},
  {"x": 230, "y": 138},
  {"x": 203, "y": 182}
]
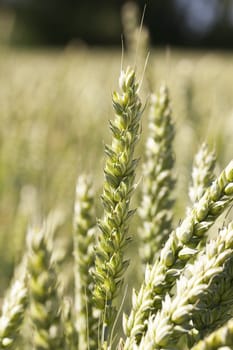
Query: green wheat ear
[
  {"x": 179, "y": 248},
  {"x": 155, "y": 210},
  {"x": 217, "y": 306},
  {"x": 202, "y": 172},
  {"x": 13, "y": 309},
  {"x": 193, "y": 293},
  {"x": 84, "y": 239},
  {"x": 221, "y": 339},
  {"x": 70, "y": 333},
  {"x": 119, "y": 171},
  {"x": 45, "y": 304}
]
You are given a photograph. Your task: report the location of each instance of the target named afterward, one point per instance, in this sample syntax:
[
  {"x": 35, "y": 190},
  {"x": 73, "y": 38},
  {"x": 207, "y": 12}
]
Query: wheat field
[{"x": 54, "y": 110}]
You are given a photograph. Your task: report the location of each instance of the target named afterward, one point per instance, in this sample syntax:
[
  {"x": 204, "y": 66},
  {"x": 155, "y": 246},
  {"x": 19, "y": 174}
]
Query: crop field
[{"x": 55, "y": 108}]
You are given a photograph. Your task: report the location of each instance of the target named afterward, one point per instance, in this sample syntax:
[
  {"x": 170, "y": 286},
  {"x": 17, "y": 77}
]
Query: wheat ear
[
  {"x": 13, "y": 309},
  {"x": 221, "y": 339},
  {"x": 84, "y": 239},
  {"x": 119, "y": 170},
  {"x": 202, "y": 173},
  {"x": 70, "y": 333},
  {"x": 216, "y": 307},
  {"x": 44, "y": 300},
  {"x": 155, "y": 210},
  {"x": 179, "y": 248},
  {"x": 130, "y": 22},
  {"x": 194, "y": 290}
]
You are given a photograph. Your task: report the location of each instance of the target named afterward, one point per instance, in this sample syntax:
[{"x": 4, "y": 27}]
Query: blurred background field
[
  {"x": 55, "y": 107},
  {"x": 55, "y": 103}
]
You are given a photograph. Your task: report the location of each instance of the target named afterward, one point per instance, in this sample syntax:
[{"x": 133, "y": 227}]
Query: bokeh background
[
  {"x": 59, "y": 63},
  {"x": 199, "y": 23}
]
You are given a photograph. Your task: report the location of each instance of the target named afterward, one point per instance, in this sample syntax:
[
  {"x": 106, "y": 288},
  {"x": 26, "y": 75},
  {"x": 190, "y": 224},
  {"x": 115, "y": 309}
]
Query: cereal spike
[
  {"x": 45, "y": 303},
  {"x": 161, "y": 277},
  {"x": 222, "y": 339},
  {"x": 156, "y": 207},
  {"x": 119, "y": 170},
  {"x": 195, "y": 286},
  {"x": 83, "y": 237},
  {"x": 202, "y": 173},
  {"x": 13, "y": 309}
]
